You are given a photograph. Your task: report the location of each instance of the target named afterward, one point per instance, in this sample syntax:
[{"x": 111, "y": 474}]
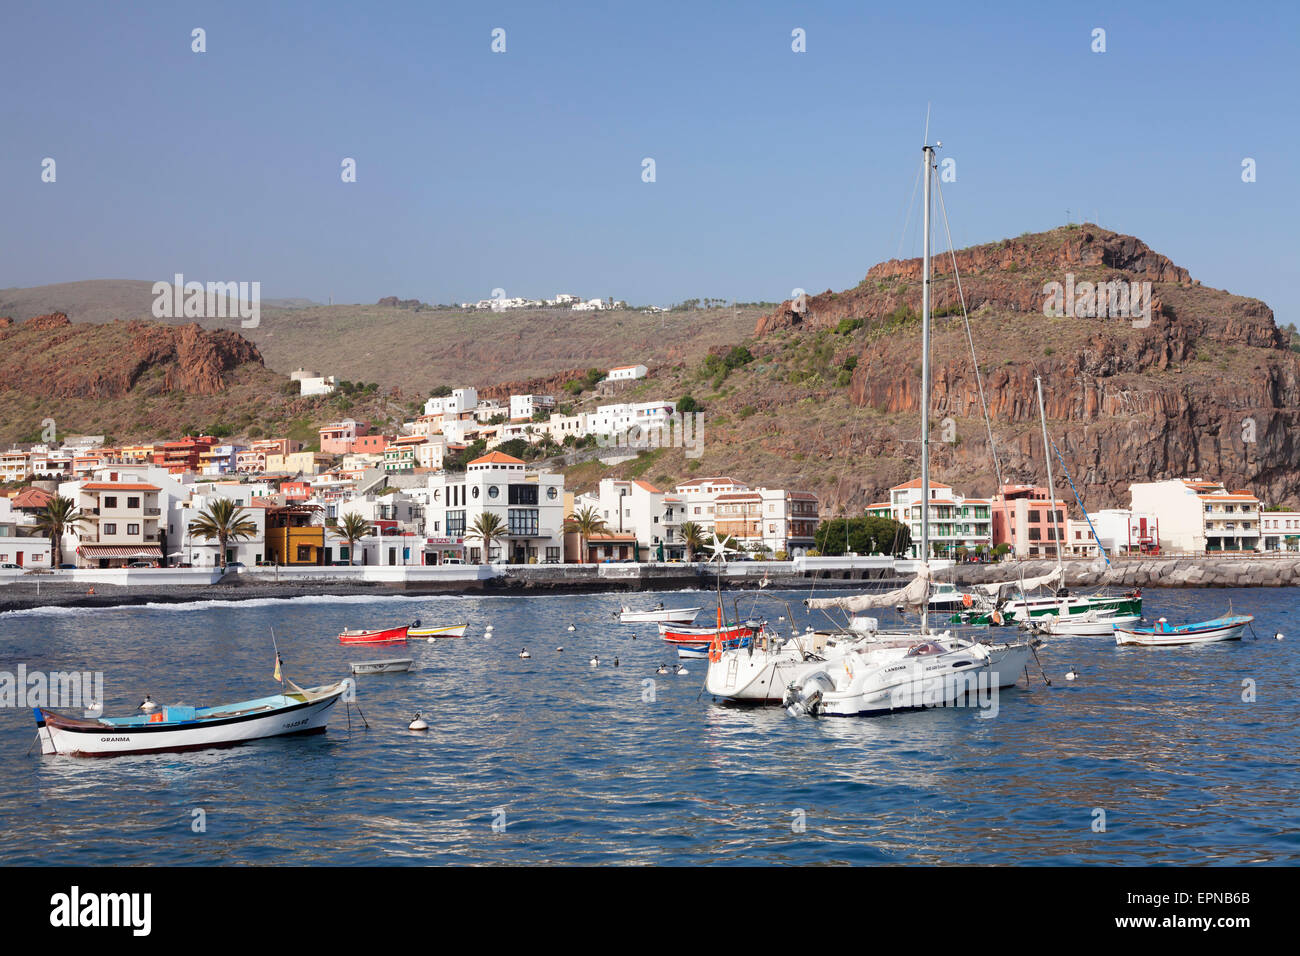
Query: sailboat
[
  {"x": 865, "y": 670},
  {"x": 1057, "y": 612}
]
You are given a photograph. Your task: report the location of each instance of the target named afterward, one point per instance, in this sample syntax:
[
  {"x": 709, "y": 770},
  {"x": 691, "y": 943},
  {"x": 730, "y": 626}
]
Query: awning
[{"x": 120, "y": 551}]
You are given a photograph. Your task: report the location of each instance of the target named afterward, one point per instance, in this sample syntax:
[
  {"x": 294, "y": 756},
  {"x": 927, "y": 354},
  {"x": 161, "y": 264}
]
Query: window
[
  {"x": 474, "y": 493},
  {"x": 110, "y": 527},
  {"x": 456, "y": 525},
  {"x": 551, "y": 492},
  {"x": 521, "y": 521},
  {"x": 110, "y": 501},
  {"x": 521, "y": 494},
  {"x": 493, "y": 491},
  {"x": 133, "y": 502},
  {"x": 552, "y": 554},
  {"x": 132, "y": 529}
]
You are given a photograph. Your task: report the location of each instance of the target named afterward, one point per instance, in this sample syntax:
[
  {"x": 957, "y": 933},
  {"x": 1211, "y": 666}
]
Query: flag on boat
[{"x": 277, "y": 676}]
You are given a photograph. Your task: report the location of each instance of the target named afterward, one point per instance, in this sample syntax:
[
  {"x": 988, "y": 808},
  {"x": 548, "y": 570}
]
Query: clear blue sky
[{"x": 522, "y": 170}]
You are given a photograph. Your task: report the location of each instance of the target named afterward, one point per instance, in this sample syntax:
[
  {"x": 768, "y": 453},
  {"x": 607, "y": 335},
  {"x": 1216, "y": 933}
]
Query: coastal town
[{"x": 451, "y": 489}]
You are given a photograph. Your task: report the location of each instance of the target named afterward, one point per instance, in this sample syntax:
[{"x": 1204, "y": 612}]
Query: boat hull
[
  {"x": 1018, "y": 612},
  {"x": 394, "y": 666},
  {"x": 85, "y": 738},
  {"x": 392, "y": 635},
  {"x": 676, "y": 615},
  {"x": 450, "y": 630},
  {"x": 1209, "y": 632}
]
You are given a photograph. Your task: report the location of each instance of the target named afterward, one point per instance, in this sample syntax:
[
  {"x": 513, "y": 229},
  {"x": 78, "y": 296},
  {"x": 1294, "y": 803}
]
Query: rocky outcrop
[
  {"x": 49, "y": 356},
  {"x": 1206, "y": 388}
]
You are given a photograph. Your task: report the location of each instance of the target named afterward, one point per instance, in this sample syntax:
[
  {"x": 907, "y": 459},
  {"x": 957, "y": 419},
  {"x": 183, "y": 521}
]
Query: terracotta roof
[
  {"x": 740, "y": 496},
  {"x": 619, "y": 368},
  {"x": 610, "y": 537},
  {"x": 118, "y": 486},
  {"x": 806, "y": 495},
  {"x": 916, "y": 483},
  {"x": 646, "y": 486},
  {"x": 32, "y": 497},
  {"x": 497, "y": 458}
]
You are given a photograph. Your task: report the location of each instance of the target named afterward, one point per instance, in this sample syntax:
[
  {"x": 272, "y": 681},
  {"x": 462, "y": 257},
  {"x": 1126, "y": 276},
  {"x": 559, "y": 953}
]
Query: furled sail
[
  {"x": 1028, "y": 584},
  {"x": 913, "y": 595}
]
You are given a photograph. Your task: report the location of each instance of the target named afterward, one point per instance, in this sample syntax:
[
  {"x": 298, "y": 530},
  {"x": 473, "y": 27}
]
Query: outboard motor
[{"x": 804, "y": 699}]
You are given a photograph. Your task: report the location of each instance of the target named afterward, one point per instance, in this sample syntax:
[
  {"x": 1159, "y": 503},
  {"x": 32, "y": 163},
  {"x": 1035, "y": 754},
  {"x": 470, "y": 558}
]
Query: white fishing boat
[
  {"x": 436, "y": 630},
  {"x": 659, "y": 614},
  {"x": 395, "y": 665},
  {"x": 181, "y": 728},
  {"x": 1163, "y": 634},
  {"x": 1093, "y": 623}
]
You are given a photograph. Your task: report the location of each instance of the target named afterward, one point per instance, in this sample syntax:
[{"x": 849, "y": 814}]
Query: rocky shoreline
[{"x": 1201, "y": 572}]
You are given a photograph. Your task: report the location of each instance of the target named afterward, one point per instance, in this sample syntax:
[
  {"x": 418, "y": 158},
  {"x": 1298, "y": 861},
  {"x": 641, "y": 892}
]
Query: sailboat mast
[
  {"x": 927, "y": 152},
  {"x": 1051, "y": 488}
]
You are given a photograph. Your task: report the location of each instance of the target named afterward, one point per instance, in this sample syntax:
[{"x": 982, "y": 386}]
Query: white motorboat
[
  {"x": 1163, "y": 634},
  {"x": 395, "y": 665},
  {"x": 909, "y": 676},
  {"x": 436, "y": 630},
  {"x": 180, "y": 728},
  {"x": 1094, "y": 623},
  {"x": 660, "y": 614}
]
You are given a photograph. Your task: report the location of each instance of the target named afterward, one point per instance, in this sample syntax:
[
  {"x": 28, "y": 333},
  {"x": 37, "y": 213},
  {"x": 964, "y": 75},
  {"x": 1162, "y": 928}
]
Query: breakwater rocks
[{"x": 1156, "y": 572}]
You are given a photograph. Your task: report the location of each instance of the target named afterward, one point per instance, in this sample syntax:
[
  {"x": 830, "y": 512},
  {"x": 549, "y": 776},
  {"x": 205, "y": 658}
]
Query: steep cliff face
[
  {"x": 49, "y": 356},
  {"x": 1207, "y": 387}
]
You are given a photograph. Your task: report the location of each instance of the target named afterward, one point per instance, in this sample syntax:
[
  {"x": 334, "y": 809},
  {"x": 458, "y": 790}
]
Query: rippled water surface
[{"x": 582, "y": 769}]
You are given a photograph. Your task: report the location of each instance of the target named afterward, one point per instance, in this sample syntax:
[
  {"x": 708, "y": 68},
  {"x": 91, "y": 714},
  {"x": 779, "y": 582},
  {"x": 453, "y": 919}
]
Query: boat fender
[{"x": 967, "y": 600}]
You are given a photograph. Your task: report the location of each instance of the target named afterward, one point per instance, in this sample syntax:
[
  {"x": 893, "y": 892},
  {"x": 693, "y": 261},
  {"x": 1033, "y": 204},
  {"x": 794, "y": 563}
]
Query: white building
[
  {"x": 639, "y": 508},
  {"x": 460, "y": 400},
  {"x": 312, "y": 383},
  {"x": 1122, "y": 531},
  {"x": 529, "y": 504},
  {"x": 1198, "y": 516},
  {"x": 1280, "y": 530},
  {"x": 627, "y": 373},
  {"x": 526, "y": 406}
]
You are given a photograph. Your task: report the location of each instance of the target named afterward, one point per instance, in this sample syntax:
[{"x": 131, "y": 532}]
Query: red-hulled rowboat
[
  {"x": 703, "y": 634},
  {"x": 392, "y": 635}
]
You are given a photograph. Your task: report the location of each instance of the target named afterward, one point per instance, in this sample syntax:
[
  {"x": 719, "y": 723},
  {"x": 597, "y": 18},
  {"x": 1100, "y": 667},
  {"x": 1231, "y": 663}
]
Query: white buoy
[
  {"x": 595, "y": 661},
  {"x": 572, "y": 628},
  {"x": 524, "y": 655},
  {"x": 1070, "y": 674},
  {"x": 1278, "y": 636},
  {"x": 417, "y": 724},
  {"x": 680, "y": 671},
  {"x": 489, "y": 627},
  {"x": 430, "y": 640},
  {"x": 147, "y": 705},
  {"x": 781, "y": 618},
  {"x": 559, "y": 649}
]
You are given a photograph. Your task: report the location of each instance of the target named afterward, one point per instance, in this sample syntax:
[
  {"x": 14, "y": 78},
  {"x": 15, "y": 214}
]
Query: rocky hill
[
  {"x": 137, "y": 380},
  {"x": 831, "y": 398}
]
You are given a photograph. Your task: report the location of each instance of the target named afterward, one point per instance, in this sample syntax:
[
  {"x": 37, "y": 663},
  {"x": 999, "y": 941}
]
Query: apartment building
[
  {"x": 955, "y": 520},
  {"x": 1024, "y": 520},
  {"x": 1123, "y": 531},
  {"x": 1280, "y": 530},
  {"x": 529, "y": 504},
  {"x": 526, "y": 406},
  {"x": 1197, "y": 516},
  {"x": 337, "y": 438},
  {"x": 124, "y": 524},
  {"x": 638, "y": 516}
]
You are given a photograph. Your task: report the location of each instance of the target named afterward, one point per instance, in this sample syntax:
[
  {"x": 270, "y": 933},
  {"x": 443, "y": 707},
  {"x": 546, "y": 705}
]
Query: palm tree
[
  {"x": 60, "y": 515},
  {"x": 693, "y": 536},
  {"x": 353, "y": 528},
  {"x": 584, "y": 523},
  {"x": 223, "y": 520},
  {"x": 488, "y": 528}
]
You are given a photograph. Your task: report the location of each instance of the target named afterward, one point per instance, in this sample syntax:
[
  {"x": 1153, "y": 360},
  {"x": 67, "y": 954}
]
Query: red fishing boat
[
  {"x": 392, "y": 635},
  {"x": 701, "y": 635}
]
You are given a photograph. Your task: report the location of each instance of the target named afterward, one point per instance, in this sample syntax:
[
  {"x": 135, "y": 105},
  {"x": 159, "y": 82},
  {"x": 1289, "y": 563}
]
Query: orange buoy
[{"x": 967, "y": 600}]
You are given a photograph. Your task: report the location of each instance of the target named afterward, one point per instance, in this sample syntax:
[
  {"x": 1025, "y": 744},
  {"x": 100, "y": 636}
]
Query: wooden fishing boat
[
  {"x": 1163, "y": 634},
  {"x": 1092, "y": 624},
  {"x": 660, "y": 614},
  {"x": 702, "y": 634},
  {"x": 394, "y": 665},
  {"x": 436, "y": 630},
  {"x": 391, "y": 635},
  {"x": 181, "y": 728}
]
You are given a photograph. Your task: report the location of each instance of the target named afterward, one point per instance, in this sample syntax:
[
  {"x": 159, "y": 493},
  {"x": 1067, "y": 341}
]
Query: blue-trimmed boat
[
  {"x": 1163, "y": 634},
  {"x": 179, "y": 728}
]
